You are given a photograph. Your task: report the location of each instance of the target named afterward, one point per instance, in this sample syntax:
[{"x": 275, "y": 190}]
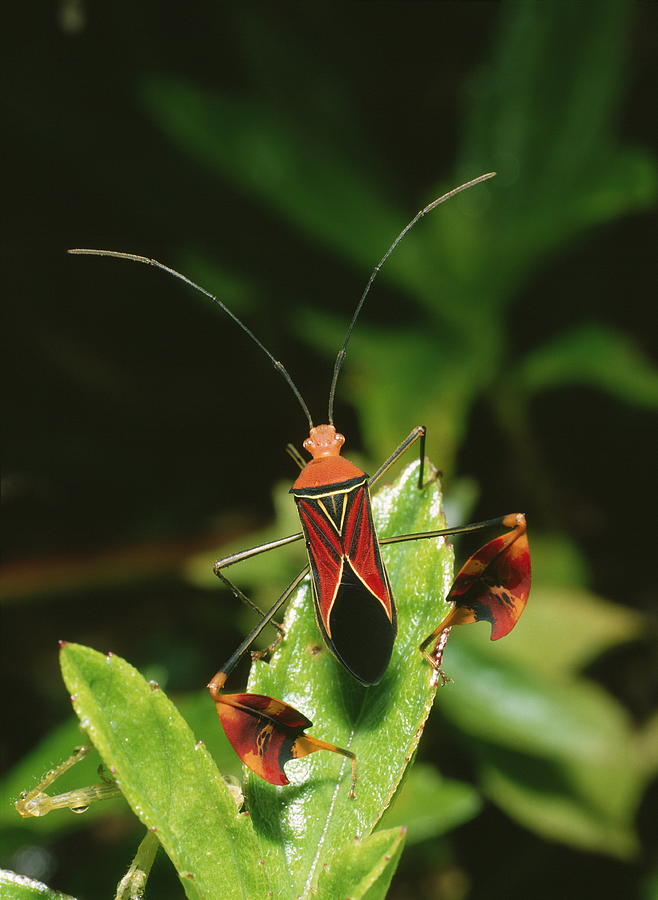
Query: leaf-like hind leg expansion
[
  {"x": 493, "y": 585},
  {"x": 266, "y": 732}
]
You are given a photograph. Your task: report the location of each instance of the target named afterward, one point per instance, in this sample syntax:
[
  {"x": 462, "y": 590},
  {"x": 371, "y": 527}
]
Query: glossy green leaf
[
  {"x": 596, "y": 356},
  {"x": 381, "y": 724},
  {"x": 57, "y": 746},
  {"x": 363, "y": 868},
  {"x": 20, "y": 887},
  {"x": 169, "y": 780},
  {"x": 428, "y": 805}
]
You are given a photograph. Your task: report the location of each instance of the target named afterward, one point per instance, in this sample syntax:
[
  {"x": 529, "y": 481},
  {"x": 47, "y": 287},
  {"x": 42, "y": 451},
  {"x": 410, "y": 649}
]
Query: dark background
[{"x": 141, "y": 429}]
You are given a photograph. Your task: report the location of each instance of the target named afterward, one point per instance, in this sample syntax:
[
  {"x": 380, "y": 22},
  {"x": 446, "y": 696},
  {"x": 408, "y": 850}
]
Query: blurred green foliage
[
  {"x": 544, "y": 740},
  {"x": 559, "y": 172}
]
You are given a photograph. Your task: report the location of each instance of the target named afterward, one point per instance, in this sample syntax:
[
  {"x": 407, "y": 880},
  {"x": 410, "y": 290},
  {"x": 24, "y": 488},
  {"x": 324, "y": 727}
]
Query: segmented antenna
[
  {"x": 342, "y": 353},
  {"x": 158, "y": 265}
]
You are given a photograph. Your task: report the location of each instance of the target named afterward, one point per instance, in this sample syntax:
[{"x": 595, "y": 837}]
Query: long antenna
[
  {"x": 158, "y": 265},
  {"x": 342, "y": 353}
]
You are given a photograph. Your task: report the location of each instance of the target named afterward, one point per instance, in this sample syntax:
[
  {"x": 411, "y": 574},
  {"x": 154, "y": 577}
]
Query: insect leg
[
  {"x": 257, "y": 654},
  {"x": 493, "y": 585},
  {"x": 227, "y": 561},
  {"x": 308, "y": 744},
  {"x": 418, "y": 433},
  {"x": 248, "y": 554},
  {"x": 37, "y": 802},
  {"x": 445, "y": 532},
  {"x": 263, "y": 731},
  {"x": 218, "y": 680}
]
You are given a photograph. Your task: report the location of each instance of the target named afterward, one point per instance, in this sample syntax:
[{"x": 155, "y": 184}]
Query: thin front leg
[
  {"x": 269, "y": 650},
  {"x": 219, "y": 679},
  {"x": 417, "y": 434},
  {"x": 248, "y": 554}
]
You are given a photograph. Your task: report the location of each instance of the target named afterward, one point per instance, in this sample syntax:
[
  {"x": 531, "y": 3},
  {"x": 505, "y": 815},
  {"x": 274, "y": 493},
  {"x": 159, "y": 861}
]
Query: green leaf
[
  {"x": 648, "y": 745},
  {"x": 272, "y": 157},
  {"x": 169, "y": 780},
  {"x": 560, "y": 755},
  {"x": 162, "y": 773},
  {"x": 550, "y": 799},
  {"x": 363, "y": 868},
  {"x": 56, "y": 746},
  {"x": 133, "y": 884},
  {"x": 381, "y": 724},
  {"x": 575, "y": 624},
  {"x": 499, "y": 701},
  {"x": 429, "y": 805},
  {"x": 20, "y": 887},
  {"x": 558, "y": 562},
  {"x": 592, "y": 355},
  {"x": 562, "y": 170}
]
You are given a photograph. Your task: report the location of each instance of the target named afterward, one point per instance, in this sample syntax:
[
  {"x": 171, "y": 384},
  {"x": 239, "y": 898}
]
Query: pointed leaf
[
  {"x": 592, "y": 355},
  {"x": 381, "y": 724},
  {"x": 363, "y": 868},
  {"x": 170, "y": 781},
  {"x": 58, "y": 745}
]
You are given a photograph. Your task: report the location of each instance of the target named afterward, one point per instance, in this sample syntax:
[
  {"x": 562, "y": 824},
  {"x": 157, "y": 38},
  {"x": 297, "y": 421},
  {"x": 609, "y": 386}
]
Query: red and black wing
[{"x": 353, "y": 600}]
